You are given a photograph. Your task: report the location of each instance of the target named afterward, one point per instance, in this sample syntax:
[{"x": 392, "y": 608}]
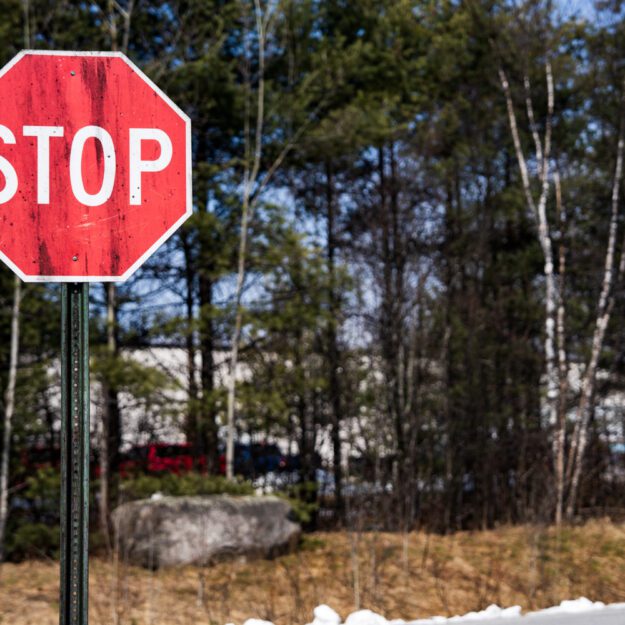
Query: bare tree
[
  {"x": 251, "y": 170},
  {"x": 9, "y": 397},
  {"x": 567, "y": 475},
  {"x": 111, "y": 418},
  {"x": 539, "y": 211},
  {"x": 9, "y": 408},
  {"x": 252, "y": 187},
  {"x": 559, "y": 438},
  {"x": 605, "y": 305}
]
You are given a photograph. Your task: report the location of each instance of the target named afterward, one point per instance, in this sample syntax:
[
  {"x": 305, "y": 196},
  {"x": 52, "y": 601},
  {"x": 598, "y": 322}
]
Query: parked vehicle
[
  {"x": 256, "y": 459},
  {"x": 161, "y": 458},
  {"x": 38, "y": 457},
  {"x": 250, "y": 460},
  {"x": 267, "y": 458},
  {"x": 243, "y": 462}
]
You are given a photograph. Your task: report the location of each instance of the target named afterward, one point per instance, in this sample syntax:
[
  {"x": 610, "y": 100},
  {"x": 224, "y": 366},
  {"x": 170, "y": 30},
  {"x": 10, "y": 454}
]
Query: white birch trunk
[
  {"x": 539, "y": 210},
  {"x": 604, "y": 310},
  {"x": 9, "y": 407},
  {"x": 559, "y": 438}
]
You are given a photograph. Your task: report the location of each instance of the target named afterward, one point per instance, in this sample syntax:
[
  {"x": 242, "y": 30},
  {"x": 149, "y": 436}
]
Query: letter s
[{"x": 10, "y": 177}]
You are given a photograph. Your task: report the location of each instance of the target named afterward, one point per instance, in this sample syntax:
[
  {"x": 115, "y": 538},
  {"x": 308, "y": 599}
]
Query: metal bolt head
[
  {"x": 72, "y": 73},
  {"x": 75, "y": 258}
]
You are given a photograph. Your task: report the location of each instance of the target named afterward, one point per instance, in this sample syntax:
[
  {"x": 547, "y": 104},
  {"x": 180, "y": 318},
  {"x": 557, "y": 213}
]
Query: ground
[{"x": 399, "y": 575}]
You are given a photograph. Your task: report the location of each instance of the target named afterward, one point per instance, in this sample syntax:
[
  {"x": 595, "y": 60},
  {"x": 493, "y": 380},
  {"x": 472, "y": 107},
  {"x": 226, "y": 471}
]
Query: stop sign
[{"x": 95, "y": 166}]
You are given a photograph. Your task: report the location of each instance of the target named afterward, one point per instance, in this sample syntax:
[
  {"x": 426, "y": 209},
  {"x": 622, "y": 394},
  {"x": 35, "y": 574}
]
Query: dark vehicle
[
  {"x": 133, "y": 461},
  {"x": 292, "y": 463},
  {"x": 261, "y": 458},
  {"x": 243, "y": 462},
  {"x": 38, "y": 457},
  {"x": 267, "y": 458}
]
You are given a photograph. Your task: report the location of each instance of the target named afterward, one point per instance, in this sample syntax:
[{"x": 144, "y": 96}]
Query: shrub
[
  {"x": 33, "y": 540},
  {"x": 188, "y": 484},
  {"x": 302, "y": 498}
]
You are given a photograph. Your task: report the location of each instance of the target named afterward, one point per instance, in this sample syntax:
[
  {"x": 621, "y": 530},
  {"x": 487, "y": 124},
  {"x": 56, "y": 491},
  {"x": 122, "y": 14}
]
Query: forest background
[{"x": 408, "y": 226}]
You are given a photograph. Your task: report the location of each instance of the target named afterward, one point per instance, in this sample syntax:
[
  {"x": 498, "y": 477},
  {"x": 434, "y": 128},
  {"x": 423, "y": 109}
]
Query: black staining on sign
[
  {"x": 94, "y": 79},
  {"x": 46, "y": 267}
]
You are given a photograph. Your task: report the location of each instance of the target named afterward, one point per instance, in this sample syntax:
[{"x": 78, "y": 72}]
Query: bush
[
  {"x": 33, "y": 540},
  {"x": 302, "y": 498},
  {"x": 188, "y": 484}
]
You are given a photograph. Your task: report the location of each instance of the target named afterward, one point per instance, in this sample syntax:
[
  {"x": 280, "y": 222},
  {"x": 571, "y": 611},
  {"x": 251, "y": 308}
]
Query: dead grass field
[{"x": 407, "y": 576}]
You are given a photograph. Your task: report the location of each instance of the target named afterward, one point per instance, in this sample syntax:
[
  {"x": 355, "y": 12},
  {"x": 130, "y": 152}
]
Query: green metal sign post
[{"x": 74, "y": 454}]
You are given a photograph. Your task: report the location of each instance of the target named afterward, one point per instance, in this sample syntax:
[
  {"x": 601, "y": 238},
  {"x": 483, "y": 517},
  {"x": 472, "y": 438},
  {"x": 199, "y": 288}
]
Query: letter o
[{"x": 75, "y": 166}]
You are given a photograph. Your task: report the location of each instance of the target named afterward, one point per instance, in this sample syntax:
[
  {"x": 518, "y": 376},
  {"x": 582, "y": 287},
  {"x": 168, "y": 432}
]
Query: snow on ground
[{"x": 325, "y": 615}]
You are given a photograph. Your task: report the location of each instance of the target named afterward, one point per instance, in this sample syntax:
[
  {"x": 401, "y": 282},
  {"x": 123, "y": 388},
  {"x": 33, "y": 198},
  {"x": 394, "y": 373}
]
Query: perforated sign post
[{"x": 95, "y": 174}]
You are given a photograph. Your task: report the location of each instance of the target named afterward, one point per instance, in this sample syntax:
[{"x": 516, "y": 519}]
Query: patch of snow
[
  {"x": 365, "y": 617},
  {"x": 491, "y": 612},
  {"x": 575, "y": 606},
  {"x": 325, "y": 615}
]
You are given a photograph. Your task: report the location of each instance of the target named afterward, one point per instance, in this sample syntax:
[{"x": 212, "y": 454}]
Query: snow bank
[
  {"x": 492, "y": 612},
  {"x": 576, "y": 606},
  {"x": 325, "y": 615}
]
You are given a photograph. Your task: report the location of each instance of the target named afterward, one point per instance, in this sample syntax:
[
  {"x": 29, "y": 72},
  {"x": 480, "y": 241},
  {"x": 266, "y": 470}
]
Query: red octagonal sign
[{"x": 95, "y": 166}]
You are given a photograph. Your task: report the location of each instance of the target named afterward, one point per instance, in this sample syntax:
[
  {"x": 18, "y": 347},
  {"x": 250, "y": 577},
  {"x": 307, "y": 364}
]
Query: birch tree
[
  {"x": 566, "y": 475},
  {"x": 111, "y": 419},
  {"x": 542, "y": 153},
  {"x": 605, "y": 305},
  {"x": 9, "y": 408}
]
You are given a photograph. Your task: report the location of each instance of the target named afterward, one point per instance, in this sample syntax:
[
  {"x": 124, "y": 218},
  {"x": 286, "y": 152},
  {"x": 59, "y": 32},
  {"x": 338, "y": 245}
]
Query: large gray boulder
[{"x": 170, "y": 531}]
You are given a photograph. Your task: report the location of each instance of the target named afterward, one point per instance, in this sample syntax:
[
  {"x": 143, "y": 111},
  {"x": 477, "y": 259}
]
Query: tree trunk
[
  {"x": 9, "y": 407},
  {"x": 192, "y": 424},
  {"x": 554, "y": 330},
  {"x": 207, "y": 441},
  {"x": 604, "y": 310},
  {"x": 333, "y": 354},
  {"x": 250, "y": 177},
  {"x": 560, "y": 434},
  {"x": 111, "y": 417}
]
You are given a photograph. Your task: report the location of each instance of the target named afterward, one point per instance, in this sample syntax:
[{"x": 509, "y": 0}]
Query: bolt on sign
[{"x": 95, "y": 174}]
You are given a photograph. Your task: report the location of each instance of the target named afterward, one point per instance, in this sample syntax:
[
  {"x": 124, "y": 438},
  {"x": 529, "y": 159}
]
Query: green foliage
[
  {"x": 44, "y": 486},
  {"x": 33, "y": 530},
  {"x": 33, "y": 540},
  {"x": 302, "y": 498},
  {"x": 189, "y": 484}
]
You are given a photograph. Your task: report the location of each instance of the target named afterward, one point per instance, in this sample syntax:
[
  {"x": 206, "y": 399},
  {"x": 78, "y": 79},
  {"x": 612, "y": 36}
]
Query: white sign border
[{"x": 189, "y": 173}]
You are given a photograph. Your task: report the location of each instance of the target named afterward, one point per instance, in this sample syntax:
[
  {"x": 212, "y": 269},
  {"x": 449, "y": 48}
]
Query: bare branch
[
  {"x": 517, "y": 141},
  {"x": 533, "y": 127}
]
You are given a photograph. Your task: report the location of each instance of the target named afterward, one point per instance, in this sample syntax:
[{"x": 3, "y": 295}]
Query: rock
[{"x": 171, "y": 531}]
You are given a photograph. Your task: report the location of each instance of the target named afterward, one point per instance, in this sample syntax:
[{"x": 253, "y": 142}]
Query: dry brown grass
[{"x": 406, "y": 576}]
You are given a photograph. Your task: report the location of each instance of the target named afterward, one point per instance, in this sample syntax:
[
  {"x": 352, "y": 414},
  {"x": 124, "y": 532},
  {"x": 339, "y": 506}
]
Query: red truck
[{"x": 161, "y": 458}]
